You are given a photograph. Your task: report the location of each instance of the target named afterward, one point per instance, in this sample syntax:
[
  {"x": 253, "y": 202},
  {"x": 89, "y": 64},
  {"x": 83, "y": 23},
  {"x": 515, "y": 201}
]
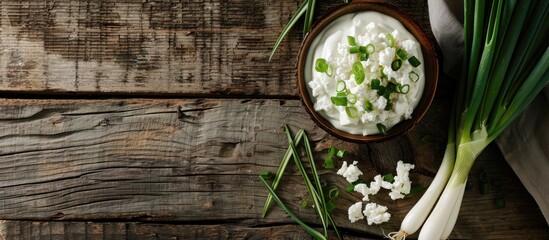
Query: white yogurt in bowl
[{"x": 378, "y": 94}]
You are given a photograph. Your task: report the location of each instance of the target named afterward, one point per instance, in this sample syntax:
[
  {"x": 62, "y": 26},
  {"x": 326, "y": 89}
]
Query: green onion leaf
[
  {"x": 396, "y": 64},
  {"x": 351, "y": 40},
  {"x": 352, "y": 112},
  {"x": 298, "y": 13},
  {"x": 414, "y": 61},
  {"x": 382, "y": 129},
  {"x": 368, "y": 107},
  {"x": 402, "y": 54},
  {"x": 266, "y": 174},
  {"x": 375, "y": 84},
  {"x": 339, "y": 101}
]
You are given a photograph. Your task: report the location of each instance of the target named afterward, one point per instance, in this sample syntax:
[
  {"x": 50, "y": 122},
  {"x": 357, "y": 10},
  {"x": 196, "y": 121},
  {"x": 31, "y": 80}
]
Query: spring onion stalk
[{"x": 506, "y": 64}]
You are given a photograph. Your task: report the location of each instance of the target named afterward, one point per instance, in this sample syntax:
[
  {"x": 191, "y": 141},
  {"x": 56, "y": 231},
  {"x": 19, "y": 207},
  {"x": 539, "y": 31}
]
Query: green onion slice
[
  {"x": 351, "y": 40},
  {"x": 352, "y": 112},
  {"x": 351, "y": 98},
  {"x": 368, "y": 107},
  {"x": 340, "y": 86},
  {"x": 363, "y": 56},
  {"x": 414, "y": 61},
  {"x": 381, "y": 90},
  {"x": 396, "y": 64},
  {"x": 390, "y": 40},
  {"x": 413, "y": 76},
  {"x": 304, "y": 203},
  {"x": 402, "y": 54},
  {"x": 342, "y": 94},
  {"x": 383, "y": 75},
  {"x": 321, "y": 65},
  {"x": 388, "y": 106},
  {"x": 330, "y": 71},
  {"x": 354, "y": 49},
  {"x": 341, "y": 153},
  {"x": 382, "y": 129},
  {"x": 375, "y": 84},
  {"x": 328, "y": 163},
  {"x": 403, "y": 88},
  {"x": 389, "y": 177},
  {"x": 339, "y": 101},
  {"x": 370, "y": 48},
  {"x": 351, "y": 187},
  {"x": 332, "y": 151},
  {"x": 358, "y": 71}
]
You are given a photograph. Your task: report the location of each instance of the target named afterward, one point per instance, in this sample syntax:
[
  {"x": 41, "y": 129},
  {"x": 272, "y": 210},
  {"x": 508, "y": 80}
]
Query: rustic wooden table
[{"x": 152, "y": 119}]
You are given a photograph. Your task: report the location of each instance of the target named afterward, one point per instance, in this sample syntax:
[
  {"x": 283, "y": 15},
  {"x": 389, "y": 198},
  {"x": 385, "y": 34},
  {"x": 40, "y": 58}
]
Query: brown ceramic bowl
[{"x": 430, "y": 64}]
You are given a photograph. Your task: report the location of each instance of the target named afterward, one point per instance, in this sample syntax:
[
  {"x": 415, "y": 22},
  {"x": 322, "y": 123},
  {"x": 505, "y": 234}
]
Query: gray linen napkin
[{"x": 525, "y": 143}]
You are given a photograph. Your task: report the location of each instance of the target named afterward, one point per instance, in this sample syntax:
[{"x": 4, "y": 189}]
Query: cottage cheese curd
[{"x": 332, "y": 45}]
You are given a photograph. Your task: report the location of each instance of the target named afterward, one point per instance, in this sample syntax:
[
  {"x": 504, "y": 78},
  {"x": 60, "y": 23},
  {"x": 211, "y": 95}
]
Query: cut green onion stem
[
  {"x": 340, "y": 86},
  {"x": 382, "y": 129},
  {"x": 402, "y": 54},
  {"x": 352, "y": 112},
  {"x": 414, "y": 61},
  {"x": 351, "y": 40},
  {"x": 339, "y": 101},
  {"x": 414, "y": 77},
  {"x": 390, "y": 40},
  {"x": 396, "y": 64}
]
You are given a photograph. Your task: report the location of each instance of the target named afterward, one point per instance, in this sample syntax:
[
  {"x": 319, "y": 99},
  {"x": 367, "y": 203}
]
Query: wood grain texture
[
  {"x": 197, "y": 160},
  {"x": 153, "y": 47}
]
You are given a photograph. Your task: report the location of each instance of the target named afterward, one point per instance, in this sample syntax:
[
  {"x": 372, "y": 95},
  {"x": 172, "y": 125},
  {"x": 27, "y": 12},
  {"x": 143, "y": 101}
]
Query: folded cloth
[{"x": 525, "y": 143}]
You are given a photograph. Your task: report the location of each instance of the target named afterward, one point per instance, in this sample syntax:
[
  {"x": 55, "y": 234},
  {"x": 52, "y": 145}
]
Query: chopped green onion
[
  {"x": 402, "y": 54},
  {"x": 266, "y": 174},
  {"x": 358, "y": 71},
  {"x": 390, "y": 40},
  {"x": 351, "y": 98},
  {"x": 414, "y": 61},
  {"x": 403, "y": 88},
  {"x": 389, "y": 177},
  {"x": 342, "y": 94},
  {"x": 332, "y": 151},
  {"x": 339, "y": 101},
  {"x": 391, "y": 87},
  {"x": 363, "y": 56},
  {"x": 304, "y": 203},
  {"x": 416, "y": 189},
  {"x": 340, "y": 86},
  {"x": 388, "y": 106},
  {"x": 383, "y": 75},
  {"x": 333, "y": 193},
  {"x": 387, "y": 93},
  {"x": 413, "y": 76},
  {"x": 363, "y": 49},
  {"x": 354, "y": 49},
  {"x": 375, "y": 84},
  {"x": 321, "y": 65},
  {"x": 359, "y": 78},
  {"x": 368, "y": 107},
  {"x": 351, "y": 40},
  {"x": 341, "y": 153},
  {"x": 396, "y": 64},
  {"x": 330, "y": 71},
  {"x": 370, "y": 48},
  {"x": 328, "y": 163},
  {"x": 381, "y": 90},
  {"x": 351, "y": 187},
  {"x": 352, "y": 112},
  {"x": 382, "y": 129}
]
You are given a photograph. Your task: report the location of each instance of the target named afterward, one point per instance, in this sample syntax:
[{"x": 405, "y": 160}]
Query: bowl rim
[{"x": 431, "y": 65}]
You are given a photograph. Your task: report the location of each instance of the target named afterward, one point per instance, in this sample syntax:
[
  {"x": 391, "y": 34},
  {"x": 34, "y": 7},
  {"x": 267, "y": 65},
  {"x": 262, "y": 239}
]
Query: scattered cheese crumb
[
  {"x": 350, "y": 172},
  {"x": 402, "y": 183},
  {"x": 363, "y": 188},
  {"x": 376, "y": 214},
  {"x": 355, "y": 212}
]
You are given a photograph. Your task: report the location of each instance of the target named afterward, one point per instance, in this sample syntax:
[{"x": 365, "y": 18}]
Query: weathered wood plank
[
  {"x": 198, "y": 160},
  {"x": 152, "y": 47}
]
